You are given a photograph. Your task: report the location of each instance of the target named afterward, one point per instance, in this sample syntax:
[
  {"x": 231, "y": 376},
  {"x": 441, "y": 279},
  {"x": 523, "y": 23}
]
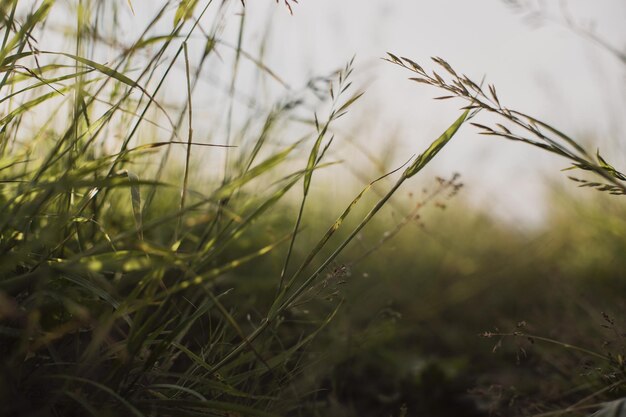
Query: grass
[
  {"x": 113, "y": 274},
  {"x": 135, "y": 281}
]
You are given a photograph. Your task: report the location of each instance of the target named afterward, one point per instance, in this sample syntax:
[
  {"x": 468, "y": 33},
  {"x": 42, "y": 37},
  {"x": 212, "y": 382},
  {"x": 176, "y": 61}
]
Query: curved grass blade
[{"x": 435, "y": 147}]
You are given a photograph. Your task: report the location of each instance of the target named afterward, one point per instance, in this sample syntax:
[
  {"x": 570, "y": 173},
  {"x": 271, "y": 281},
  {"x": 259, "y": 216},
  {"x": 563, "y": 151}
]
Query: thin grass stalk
[{"x": 183, "y": 194}]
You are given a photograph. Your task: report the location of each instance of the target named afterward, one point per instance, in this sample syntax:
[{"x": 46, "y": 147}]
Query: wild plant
[
  {"x": 118, "y": 290},
  {"x": 521, "y": 126}
]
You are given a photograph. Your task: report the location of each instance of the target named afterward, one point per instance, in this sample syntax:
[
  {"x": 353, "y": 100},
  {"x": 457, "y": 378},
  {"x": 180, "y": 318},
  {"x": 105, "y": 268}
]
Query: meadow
[{"x": 154, "y": 262}]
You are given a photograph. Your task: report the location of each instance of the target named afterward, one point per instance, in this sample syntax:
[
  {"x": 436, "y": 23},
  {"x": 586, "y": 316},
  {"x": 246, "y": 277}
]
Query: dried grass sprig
[{"x": 522, "y": 126}]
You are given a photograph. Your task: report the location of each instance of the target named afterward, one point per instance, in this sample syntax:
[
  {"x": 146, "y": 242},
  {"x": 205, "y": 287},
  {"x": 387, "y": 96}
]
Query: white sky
[{"x": 547, "y": 71}]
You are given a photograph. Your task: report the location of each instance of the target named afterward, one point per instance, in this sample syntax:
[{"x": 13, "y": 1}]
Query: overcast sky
[{"x": 547, "y": 70}]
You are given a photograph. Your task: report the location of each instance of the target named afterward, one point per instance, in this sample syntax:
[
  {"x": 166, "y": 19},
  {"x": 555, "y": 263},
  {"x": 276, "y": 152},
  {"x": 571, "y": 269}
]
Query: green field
[{"x": 163, "y": 259}]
